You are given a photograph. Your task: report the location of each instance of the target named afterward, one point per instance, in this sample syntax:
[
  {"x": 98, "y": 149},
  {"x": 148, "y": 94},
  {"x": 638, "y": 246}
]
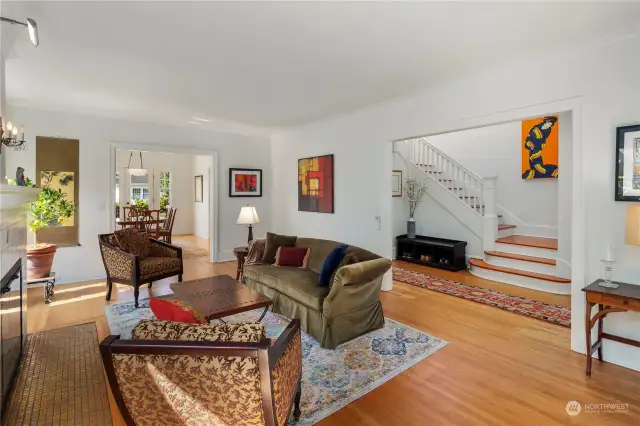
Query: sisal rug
[
  {"x": 554, "y": 314},
  {"x": 60, "y": 380},
  {"x": 331, "y": 379}
]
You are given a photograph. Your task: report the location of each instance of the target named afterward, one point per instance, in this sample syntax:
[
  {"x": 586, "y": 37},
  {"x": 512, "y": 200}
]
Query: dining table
[{"x": 141, "y": 224}]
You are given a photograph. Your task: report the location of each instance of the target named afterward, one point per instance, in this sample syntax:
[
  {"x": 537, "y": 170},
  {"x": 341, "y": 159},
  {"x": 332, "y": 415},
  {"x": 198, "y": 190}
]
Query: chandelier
[
  {"x": 9, "y": 132},
  {"x": 136, "y": 172}
]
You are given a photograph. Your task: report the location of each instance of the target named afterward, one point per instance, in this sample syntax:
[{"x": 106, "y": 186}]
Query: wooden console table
[{"x": 622, "y": 299}]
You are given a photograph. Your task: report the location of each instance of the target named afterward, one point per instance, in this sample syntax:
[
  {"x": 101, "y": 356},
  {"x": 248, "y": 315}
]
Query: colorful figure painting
[
  {"x": 540, "y": 148},
  {"x": 315, "y": 184}
]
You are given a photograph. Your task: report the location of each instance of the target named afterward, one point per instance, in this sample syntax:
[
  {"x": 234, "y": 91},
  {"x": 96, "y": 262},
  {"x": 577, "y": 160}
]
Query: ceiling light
[
  {"x": 31, "y": 26},
  {"x": 136, "y": 172},
  {"x": 205, "y": 120}
]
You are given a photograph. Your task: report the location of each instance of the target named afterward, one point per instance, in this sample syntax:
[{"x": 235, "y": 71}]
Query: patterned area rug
[
  {"x": 60, "y": 381},
  {"x": 554, "y": 314},
  {"x": 331, "y": 379}
]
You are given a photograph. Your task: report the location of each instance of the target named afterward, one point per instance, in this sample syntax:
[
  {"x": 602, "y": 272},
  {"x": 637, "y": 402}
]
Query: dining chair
[
  {"x": 130, "y": 214},
  {"x": 150, "y": 220},
  {"x": 167, "y": 227}
]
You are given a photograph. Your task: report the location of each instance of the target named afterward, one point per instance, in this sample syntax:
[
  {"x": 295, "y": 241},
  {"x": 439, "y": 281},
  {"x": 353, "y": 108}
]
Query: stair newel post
[{"x": 490, "y": 217}]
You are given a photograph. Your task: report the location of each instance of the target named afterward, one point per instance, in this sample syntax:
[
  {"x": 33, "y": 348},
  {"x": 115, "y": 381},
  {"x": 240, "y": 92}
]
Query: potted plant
[
  {"x": 51, "y": 209},
  {"x": 414, "y": 189}
]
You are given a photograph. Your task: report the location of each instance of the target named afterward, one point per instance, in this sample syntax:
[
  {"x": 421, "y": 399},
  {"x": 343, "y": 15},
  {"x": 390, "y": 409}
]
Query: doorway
[{"x": 162, "y": 178}]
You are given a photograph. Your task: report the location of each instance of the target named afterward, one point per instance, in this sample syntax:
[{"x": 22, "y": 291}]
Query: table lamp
[{"x": 248, "y": 216}]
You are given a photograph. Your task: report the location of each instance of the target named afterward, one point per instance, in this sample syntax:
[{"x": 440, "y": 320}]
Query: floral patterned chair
[
  {"x": 131, "y": 257},
  {"x": 174, "y": 373}
]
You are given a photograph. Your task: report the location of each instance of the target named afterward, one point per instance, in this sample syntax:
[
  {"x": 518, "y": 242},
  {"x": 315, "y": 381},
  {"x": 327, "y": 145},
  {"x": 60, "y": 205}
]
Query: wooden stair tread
[
  {"x": 521, "y": 257},
  {"x": 501, "y": 227},
  {"x": 523, "y": 240},
  {"x": 482, "y": 264}
]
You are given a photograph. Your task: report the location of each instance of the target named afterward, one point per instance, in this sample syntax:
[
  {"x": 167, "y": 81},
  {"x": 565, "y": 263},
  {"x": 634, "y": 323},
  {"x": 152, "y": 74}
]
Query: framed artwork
[
  {"x": 315, "y": 184},
  {"x": 58, "y": 167},
  {"x": 396, "y": 183},
  {"x": 198, "y": 188},
  {"x": 245, "y": 182},
  {"x": 540, "y": 147},
  {"x": 627, "y": 180}
]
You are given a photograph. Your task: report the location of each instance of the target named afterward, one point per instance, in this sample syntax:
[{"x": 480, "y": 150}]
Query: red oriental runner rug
[{"x": 531, "y": 308}]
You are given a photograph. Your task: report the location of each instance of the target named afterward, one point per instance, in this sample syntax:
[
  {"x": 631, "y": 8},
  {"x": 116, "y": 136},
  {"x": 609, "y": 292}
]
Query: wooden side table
[
  {"x": 622, "y": 299},
  {"x": 241, "y": 254}
]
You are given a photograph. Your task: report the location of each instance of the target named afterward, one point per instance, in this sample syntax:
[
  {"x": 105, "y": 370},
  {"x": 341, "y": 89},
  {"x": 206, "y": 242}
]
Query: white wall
[
  {"x": 201, "y": 210},
  {"x": 96, "y": 183},
  {"x": 600, "y": 83},
  {"x": 180, "y": 166},
  {"x": 496, "y": 151}
]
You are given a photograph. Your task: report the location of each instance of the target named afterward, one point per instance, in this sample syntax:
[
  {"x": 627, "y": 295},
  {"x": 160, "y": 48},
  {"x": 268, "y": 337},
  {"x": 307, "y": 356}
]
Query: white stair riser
[
  {"x": 506, "y": 232},
  {"x": 528, "y": 251},
  {"x": 520, "y": 281},
  {"x": 540, "y": 268}
]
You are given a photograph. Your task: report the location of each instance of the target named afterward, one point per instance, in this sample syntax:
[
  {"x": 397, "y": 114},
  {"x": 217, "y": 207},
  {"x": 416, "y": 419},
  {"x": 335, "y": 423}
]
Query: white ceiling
[{"x": 249, "y": 66}]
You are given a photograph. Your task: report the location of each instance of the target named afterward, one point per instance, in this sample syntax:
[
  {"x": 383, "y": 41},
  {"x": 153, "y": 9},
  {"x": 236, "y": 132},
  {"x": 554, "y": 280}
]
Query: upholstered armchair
[
  {"x": 134, "y": 265},
  {"x": 174, "y": 373}
]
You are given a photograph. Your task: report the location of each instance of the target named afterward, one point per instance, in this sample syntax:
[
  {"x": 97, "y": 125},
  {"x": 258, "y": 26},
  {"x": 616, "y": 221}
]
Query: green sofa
[{"x": 347, "y": 309}]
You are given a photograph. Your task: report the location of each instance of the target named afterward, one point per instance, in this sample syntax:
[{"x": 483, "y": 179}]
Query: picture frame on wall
[
  {"x": 199, "y": 188},
  {"x": 245, "y": 182},
  {"x": 396, "y": 183},
  {"x": 627, "y": 180},
  {"x": 315, "y": 184}
]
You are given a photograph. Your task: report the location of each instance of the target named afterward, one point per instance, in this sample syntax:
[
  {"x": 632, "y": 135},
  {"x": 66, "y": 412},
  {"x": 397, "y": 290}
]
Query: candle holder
[{"x": 608, "y": 272}]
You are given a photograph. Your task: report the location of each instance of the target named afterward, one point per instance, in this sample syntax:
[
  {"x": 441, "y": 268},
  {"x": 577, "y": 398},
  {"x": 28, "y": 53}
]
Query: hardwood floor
[{"x": 499, "y": 368}]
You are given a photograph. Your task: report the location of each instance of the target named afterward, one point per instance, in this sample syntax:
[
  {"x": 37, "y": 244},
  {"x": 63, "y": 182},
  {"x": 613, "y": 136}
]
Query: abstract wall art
[
  {"x": 315, "y": 184},
  {"x": 540, "y": 147},
  {"x": 245, "y": 182}
]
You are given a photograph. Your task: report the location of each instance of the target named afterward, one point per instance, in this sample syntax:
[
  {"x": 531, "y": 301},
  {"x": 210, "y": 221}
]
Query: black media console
[{"x": 429, "y": 251}]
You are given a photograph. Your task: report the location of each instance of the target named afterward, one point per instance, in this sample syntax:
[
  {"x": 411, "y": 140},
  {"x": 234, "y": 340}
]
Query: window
[
  {"x": 136, "y": 193},
  {"x": 165, "y": 191}
]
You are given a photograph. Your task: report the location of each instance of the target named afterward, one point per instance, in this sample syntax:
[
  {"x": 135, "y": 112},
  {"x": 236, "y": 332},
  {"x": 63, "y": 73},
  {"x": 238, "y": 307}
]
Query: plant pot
[
  {"x": 411, "y": 228},
  {"x": 39, "y": 260}
]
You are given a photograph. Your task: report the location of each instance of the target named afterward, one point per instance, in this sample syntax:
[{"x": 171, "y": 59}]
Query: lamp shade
[
  {"x": 248, "y": 216},
  {"x": 632, "y": 233}
]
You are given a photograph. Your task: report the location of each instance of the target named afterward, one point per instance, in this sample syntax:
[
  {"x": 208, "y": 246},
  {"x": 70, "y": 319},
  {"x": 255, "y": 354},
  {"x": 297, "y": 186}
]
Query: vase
[
  {"x": 411, "y": 228},
  {"x": 39, "y": 260}
]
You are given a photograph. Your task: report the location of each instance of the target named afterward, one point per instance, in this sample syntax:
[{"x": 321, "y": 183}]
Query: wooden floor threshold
[
  {"x": 521, "y": 257},
  {"x": 501, "y": 227},
  {"x": 545, "y": 277},
  {"x": 523, "y": 240}
]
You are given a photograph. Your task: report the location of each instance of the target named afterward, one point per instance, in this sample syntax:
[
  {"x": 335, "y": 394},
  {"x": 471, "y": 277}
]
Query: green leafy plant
[
  {"x": 51, "y": 209},
  {"x": 141, "y": 204}
]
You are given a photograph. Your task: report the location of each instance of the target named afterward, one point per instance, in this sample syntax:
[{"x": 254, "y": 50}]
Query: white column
[{"x": 490, "y": 217}]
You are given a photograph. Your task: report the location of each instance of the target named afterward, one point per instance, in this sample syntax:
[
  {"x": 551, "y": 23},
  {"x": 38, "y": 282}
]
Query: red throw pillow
[
  {"x": 175, "y": 310},
  {"x": 293, "y": 256}
]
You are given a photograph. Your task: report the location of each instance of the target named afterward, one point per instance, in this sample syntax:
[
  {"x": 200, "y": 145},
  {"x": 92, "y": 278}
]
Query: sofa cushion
[
  {"x": 331, "y": 264},
  {"x": 299, "y": 284},
  {"x": 175, "y": 310},
  {"x": 273, "y": 242},
  {"x": 134, "y": 242},
  {"x": 152, "y": 329},
  {"x": 320, "y": 249},
  {"x": 292, "y": 256},
  {"x": 156, "y": 266}
]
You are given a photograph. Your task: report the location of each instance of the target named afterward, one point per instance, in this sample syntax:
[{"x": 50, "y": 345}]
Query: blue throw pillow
[{"x": 331, "y": 264}]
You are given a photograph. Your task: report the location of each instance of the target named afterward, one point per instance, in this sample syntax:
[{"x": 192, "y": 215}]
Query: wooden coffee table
[{"x": 220, "y": 296}]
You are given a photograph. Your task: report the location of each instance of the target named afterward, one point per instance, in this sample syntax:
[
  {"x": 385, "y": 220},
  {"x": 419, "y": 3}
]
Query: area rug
[
  {"x": 60, "y": 380},
  {"x": 331, "y": 379},
  {"x": 554, "y": 314}
]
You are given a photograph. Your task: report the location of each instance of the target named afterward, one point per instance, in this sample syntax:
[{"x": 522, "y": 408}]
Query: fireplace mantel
[{"x": 12, "y": 196}]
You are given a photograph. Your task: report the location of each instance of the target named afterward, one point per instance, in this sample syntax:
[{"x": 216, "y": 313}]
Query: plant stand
[{"x": 49, "y": 285}]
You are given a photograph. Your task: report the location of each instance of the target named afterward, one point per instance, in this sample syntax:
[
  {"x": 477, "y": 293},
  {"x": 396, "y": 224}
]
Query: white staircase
[{"x": 508, "y": 258}]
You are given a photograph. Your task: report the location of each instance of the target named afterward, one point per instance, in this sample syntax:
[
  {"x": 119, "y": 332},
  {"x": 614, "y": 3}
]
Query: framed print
[
  {"x": 198, "y": 188},
  {"x": 396, "y": 183},
  {"x": 315, "y": 184},
  {"x": 245, "y": 182},
  {"x": 627, "y": 182},
  {"x": 539, "y": 142}
]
